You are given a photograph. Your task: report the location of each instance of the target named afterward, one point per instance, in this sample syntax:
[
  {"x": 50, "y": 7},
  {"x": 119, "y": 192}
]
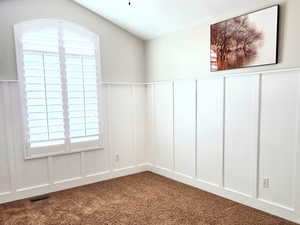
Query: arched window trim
[{"x": 35, "y": 25}]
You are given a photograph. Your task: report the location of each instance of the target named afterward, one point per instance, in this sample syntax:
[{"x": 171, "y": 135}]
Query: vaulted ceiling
[{"x": 152, "y": 18}]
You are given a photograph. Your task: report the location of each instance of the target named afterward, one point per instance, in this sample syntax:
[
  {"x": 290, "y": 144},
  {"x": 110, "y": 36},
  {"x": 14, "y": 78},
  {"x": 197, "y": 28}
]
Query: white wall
[
  {"x": 186, "y": 54},
  {"x": 122, "y": 61},
  {"x": 226, "y": 135},
  {"x": 240, "y": 133},
  {"x": 122, "y": 53},
  {"x": 185, "y": 127},
  {"x": 210, "y": 115},
  {"x": 279, "y": 137},
  {"x": 125, "y": 136},
  {"x": 163, "y": 114}
]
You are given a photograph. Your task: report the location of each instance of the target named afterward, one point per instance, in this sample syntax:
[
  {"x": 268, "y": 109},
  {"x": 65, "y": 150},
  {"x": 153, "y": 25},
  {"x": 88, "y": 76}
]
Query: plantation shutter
[
  {"x": 42, "y": 86},
  {"x": 60, "y": 88},
  {"x": 82, "y": 85}
]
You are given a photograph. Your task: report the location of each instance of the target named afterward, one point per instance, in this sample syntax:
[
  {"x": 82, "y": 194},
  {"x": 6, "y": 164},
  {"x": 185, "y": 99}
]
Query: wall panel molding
[
  {"x": 241, "y": 133},
  {"x": 26, "y": 178},
  {"x": 210, "y": 130},
  {"x": 244, "y": 129},
  {"x": 70, "y": 183},
  {"x": 248, "y": 130},
  {"x": 279, "y": 137},
  {"x": 185, "y": 127},
  {"x": 163, "y": 124}
]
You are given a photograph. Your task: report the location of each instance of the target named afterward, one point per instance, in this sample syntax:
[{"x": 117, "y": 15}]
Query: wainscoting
[
  {"x": 123, "y": 154},
  {"x": 235, "y": 136}
]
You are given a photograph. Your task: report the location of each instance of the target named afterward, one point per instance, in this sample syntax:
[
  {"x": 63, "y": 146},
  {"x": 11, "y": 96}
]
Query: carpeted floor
[{"x": 141, "y": 199}]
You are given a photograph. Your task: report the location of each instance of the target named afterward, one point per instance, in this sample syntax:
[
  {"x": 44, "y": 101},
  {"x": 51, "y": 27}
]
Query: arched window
[{"x": 59, "y": 72}]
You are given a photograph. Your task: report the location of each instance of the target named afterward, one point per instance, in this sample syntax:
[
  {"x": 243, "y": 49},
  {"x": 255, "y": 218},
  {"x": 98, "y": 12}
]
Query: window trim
[{"x": 19, "y": 30}]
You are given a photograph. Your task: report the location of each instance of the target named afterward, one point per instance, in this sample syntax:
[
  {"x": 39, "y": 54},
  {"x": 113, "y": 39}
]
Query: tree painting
[{"x": 234, "y": 43}]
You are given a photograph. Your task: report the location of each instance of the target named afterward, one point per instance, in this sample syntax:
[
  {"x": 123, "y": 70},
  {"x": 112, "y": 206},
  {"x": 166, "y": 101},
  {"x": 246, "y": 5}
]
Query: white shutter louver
[
  {"x": 43, "y": 93},
  {"x": 60, "y": 86},
  {"x": 82, "y": 84}
]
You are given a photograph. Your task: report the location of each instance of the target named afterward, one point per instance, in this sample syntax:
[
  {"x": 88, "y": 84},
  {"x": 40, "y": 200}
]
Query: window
[{"x": 60, "y": 89}]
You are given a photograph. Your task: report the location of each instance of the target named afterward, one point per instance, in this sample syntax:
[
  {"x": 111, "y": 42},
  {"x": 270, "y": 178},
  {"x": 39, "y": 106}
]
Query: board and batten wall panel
[
  {"x": 71, "y": 167},
  {"x": 95, "y": 162},
  {"x": 5, "y": 184},
  {"x": 210, "y": 105},
  {"x": 150, "y": 142},
  {"x": 30, "y": 173},
  {"x": 185, "y": 127},
  {"x": 140, "y": 110},
  {"x": 247, "y": 130},
  {"x": 278, "y": 139},
  {"x": 120, "y": 104},
  {"x": 25, "y": 178},
  {"x": 259, "y": 115},
  {"x": 241, "y": 133},
  {"x": 163, "y": 124}
]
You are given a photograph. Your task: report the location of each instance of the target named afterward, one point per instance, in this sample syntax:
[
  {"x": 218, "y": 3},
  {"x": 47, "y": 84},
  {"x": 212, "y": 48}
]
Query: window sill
[{"x": 46, "y": 155}]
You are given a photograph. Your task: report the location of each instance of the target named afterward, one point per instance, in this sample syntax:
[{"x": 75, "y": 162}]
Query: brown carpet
[{"x": 141, "y": 199}]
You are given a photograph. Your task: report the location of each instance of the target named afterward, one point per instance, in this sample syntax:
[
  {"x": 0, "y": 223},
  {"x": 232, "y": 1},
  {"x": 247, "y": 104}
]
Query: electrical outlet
[
  {"x": 266, "y": 183},
  {"x": 117, "y": 158}
]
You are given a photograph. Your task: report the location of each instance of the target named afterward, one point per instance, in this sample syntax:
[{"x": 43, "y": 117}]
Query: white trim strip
[{"x": 262, "y": 72}]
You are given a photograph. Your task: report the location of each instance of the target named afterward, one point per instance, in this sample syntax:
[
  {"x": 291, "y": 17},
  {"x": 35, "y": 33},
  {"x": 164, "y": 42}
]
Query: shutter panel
[
  {"x": 42, "y": 86},
  {"x": 59, "y": 71},
  {"x": 82, "y": 84}
]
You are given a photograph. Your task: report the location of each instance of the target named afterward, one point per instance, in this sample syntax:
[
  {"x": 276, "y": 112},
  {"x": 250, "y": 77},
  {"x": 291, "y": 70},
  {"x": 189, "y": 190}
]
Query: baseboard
[
  {"x": 268, "y": 207},
  {"x": 70, "y": 183}
]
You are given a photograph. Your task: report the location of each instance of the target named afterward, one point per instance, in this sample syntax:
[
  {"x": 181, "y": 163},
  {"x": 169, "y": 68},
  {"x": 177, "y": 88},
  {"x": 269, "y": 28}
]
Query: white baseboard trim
[
  {"x": 70, "y": 183},
  {"x": 269, "y": 207},
  {"x": 260, "y": 204}
]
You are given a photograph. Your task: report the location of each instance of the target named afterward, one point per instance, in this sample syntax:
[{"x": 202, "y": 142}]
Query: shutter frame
[{"x": 67, "y": 147}]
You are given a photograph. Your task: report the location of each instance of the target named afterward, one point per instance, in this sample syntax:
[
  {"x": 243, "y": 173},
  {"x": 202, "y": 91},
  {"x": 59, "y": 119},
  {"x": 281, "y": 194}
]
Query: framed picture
[{"x": 245, "y": 41}]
